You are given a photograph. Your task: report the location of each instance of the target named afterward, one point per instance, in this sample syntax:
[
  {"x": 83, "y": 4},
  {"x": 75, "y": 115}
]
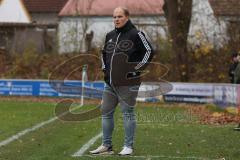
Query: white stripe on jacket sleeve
[
  {"x": 147, "y": 54},
  {"x": 103, "y": 65}
]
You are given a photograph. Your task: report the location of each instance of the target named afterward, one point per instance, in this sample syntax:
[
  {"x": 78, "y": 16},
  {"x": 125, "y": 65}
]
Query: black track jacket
[{"x": 127, "y": 41}]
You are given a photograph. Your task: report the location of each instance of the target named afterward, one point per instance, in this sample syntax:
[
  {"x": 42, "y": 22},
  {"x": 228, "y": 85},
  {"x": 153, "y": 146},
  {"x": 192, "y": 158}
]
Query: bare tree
[
  {"x": 85, "y": 41},
  {"x": 74, "y": 31},
  {"x": 234, "y": 35},
  {"x": 178, "y": 15}
]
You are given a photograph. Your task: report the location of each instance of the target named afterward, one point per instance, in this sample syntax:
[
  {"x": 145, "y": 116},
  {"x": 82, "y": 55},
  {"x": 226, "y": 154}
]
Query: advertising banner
[
  {"x": 43, "y": 88},
  {"x": 217, "y": 93},
  {"x": 220, "y": 94}
]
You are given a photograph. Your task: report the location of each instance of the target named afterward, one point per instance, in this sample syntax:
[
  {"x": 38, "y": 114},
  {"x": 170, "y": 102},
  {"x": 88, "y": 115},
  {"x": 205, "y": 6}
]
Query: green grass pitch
[{"x": 164, "y": 131}]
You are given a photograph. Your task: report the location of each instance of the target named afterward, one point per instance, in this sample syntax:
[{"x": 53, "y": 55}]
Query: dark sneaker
[{"x": 102, "y": 150}]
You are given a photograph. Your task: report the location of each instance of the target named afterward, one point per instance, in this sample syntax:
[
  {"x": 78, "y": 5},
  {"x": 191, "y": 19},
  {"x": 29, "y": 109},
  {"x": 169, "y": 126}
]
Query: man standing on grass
[
  {"x": 236, "y": 79},
  {"x": 233, "y": 65},
  {"x": 125, "y": 55}
]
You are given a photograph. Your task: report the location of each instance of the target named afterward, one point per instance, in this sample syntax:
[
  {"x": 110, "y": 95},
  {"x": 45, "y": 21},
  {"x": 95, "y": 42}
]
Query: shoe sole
[
  {"x": 236, "y": 129},
  {"x": 103, "y": 153},
  {"x": 126, "y": 154}
]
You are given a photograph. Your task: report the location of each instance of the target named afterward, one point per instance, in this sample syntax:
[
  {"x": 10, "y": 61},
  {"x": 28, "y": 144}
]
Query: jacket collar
[{"x": 128, "y": 26}]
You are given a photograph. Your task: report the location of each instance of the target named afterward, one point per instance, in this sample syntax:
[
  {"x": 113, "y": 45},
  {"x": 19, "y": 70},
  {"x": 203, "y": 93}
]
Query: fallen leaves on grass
[{"x": 208, "y": 117}]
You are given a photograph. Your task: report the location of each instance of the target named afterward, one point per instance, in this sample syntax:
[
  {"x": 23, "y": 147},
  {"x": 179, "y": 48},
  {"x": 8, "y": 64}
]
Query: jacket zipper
[{"x": 112, "y": 58}]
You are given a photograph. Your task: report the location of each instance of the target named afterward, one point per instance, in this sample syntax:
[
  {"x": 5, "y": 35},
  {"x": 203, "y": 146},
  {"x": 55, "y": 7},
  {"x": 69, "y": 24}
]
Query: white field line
[
  {"x": 87, "y": 145},
  {"x": 37, "y": 126},
  {"x": 22, "y": 133},
  {"x": 150, "y": 157}
]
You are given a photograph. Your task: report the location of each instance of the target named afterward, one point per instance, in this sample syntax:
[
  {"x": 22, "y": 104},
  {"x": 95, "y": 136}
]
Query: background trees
[{"x": 178, "y": 15}]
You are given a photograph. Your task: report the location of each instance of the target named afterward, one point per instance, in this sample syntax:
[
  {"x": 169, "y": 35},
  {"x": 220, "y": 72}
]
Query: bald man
[{"x": 126, "y": 53}]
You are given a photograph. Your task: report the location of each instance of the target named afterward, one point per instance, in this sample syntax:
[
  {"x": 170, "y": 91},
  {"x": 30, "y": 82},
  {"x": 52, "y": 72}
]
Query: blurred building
[
  {"x": 80, "y": 19},
  {"x": 79, "y": 25},
  {"x": 229, "y": 12},
  {"x": 215, "y": 22},
  {"x": 29, "y": 24},
  {"x": 44, "y": 11},
  {"x": 206, "y": 28},
  {"x": 13, "y": 11}
]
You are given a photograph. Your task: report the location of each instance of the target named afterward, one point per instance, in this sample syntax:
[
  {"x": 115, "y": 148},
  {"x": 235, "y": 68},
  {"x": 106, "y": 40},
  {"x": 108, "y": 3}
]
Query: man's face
[
  {"x": 236, "y": 59},
  {"x": 120, "y": 19}
]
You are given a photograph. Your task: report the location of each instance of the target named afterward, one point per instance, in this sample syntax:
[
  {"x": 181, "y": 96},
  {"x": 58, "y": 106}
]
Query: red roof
[
  {"x": 106, "y": 7},
  {"x": 44, "y": 5},
  {"x": 226, "y": 7}
]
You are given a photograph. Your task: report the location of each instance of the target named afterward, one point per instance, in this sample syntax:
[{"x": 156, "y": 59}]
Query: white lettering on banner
[
  {"x": 68, "y": 95},
  {"x": 21, "y": 94},
  {"x": 47, "y": 90},
  {"x": 4, "y": 88},
  {"x": 46, "y": 94},
  {"x": 2, "y": 84}
]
